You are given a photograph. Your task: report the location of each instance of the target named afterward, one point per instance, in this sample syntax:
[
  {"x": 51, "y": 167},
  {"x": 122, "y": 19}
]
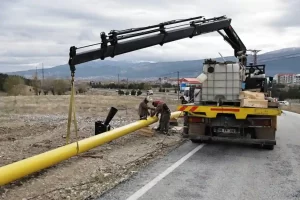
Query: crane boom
[{"x": 125, "y": 41}]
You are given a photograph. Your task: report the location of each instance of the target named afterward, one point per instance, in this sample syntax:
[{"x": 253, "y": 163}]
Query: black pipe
[
  {"x": 110, "y": 115},
  {"x": 100, "y": 126}
]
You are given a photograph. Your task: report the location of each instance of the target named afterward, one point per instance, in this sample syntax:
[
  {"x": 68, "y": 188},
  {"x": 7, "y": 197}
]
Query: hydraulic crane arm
[{"x": 120, "y": 42}]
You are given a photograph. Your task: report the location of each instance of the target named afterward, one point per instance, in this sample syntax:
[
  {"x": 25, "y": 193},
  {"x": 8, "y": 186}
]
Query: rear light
[{"x": 196, "y": 119}]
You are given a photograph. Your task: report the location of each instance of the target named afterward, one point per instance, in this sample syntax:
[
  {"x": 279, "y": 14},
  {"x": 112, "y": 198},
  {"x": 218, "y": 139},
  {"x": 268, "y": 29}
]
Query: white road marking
[{"x": 152, "y": 183}]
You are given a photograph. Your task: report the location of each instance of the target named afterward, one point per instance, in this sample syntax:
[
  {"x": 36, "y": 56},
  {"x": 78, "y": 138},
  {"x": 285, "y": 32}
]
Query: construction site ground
[{"x": 32, "y": 125}]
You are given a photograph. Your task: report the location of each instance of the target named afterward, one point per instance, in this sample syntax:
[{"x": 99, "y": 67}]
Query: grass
[
  {"x": 93, "y": 103},
  {"x": 60, "y": 104}
]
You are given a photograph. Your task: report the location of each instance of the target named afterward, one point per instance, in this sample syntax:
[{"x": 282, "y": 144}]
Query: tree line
[
  {"x": 18, "y": 85},
  {"x": 17, "y": 79},
  {"x": 130, "y": 86},
  {"x": 283, "y": 92}
]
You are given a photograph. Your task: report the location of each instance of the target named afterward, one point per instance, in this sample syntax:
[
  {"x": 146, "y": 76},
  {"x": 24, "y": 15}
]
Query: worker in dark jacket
[
  {"x": 155, "y": 104},
  {"x": 144, "y": 108},
  {"x": 165, "y": 115}
]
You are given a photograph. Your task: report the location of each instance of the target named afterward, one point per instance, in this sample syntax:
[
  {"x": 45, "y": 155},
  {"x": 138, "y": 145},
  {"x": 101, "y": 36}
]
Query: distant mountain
[{"x": 279, "y": 61}]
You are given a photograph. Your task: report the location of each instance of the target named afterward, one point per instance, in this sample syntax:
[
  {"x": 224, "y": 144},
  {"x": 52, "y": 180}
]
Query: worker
[
  {"x": 185, "y": 131},
  {"x": 155, "y": 104},
  {"x": 144, "y": 108},
  {"x": 183, "y": 101},
  {"x": 165, "y": 115}
]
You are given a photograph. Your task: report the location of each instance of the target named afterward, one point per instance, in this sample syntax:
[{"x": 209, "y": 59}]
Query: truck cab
[
  {"x": 186, "y": 94},
  {"x": 191, "y": 94}
]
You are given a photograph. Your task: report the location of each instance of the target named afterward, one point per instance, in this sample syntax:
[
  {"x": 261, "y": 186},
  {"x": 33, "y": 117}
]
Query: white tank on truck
[{"x": 223, "y": 82}]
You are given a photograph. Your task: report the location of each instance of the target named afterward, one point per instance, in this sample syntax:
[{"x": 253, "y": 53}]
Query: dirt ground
[{"x": 35, "y": 124}]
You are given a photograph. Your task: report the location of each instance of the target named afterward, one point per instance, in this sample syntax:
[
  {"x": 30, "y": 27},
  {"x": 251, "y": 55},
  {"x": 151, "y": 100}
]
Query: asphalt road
[{"x": 222, "y": 171}]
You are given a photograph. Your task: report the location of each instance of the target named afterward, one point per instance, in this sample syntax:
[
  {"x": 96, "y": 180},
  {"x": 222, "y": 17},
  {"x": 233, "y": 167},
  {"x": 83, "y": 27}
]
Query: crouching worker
[
  {"x": 144, "y": 108},
  {"x": 155, "y": 104},
  {"x": 165, "y": 115}
]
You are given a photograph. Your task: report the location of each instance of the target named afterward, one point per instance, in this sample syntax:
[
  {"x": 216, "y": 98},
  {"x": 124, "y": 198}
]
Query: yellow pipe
[{"x": 36, "y": 163}]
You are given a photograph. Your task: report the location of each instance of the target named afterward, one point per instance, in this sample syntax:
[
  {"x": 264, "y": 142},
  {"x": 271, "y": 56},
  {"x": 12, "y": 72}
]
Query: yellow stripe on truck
[{"x": 240, "y": 113}]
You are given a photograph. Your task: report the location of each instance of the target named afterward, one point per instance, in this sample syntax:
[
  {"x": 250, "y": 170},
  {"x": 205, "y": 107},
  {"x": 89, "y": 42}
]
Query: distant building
[
  {"x": 173, "y": 81},
  {"x": 288, "y": 78},
  {"x": 297, "y": 77},
  {"x": 190, "y": 81},
  {"x": 187, "y": 82}
]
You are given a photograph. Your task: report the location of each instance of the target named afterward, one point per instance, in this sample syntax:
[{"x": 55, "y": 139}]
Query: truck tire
[
  {"x": 200, "y": 141},
  {"x": 269, "y": 147}
]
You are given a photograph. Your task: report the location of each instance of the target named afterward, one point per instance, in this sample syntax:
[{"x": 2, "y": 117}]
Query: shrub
[
  {"x": 61, "y": 86},
  {"x": 82, "y": 87},
  {"x": 139, "y": 93},
  {"x": 133, "y": 92},
  {"x": 121, "y": 92},
  {"x": 14, "y": 85}
]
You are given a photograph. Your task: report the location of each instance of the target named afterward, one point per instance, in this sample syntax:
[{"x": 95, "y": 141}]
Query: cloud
[
  {"x": 43, "y": 31},
  {"x": 289, "y": 17}
]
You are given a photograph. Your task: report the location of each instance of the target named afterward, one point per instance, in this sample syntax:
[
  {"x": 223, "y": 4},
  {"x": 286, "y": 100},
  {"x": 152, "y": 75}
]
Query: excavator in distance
[{"x": 203, "y": 121}]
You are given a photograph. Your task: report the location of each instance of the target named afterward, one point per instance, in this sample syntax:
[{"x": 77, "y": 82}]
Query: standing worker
[
  {"x": 144, "y": 108},
  {"x": 165, "y": 115}
]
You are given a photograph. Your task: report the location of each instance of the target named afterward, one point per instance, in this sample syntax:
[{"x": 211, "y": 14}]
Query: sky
[{"x": 35, "y": 33}]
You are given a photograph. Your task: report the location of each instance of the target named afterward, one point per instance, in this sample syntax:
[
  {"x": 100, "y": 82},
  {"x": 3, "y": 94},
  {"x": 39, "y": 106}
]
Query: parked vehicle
[
  {"x": 284, "y": 103},
  {"x": 149, "y": 92}
]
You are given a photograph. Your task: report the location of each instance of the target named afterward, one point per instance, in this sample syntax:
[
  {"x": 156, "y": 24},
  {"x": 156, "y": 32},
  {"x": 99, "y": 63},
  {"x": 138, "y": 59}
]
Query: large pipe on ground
[{"x": 36, "y": 163}]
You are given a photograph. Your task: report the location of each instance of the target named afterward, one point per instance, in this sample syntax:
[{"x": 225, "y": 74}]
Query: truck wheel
[
  {"x": 269, "y": 147},
  {"x": 196, "y": 141}
]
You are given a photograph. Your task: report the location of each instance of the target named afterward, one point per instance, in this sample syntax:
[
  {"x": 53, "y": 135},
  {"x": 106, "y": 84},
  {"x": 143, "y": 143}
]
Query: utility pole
[
  {"x": 160, "y": 82},
  {"x": 42, "y": 82},
  {"x": 254, "y": 51},
  {"x": 36, "y": 74},
  {"x": 127, "y": 84},
  {"x": 43, "y": 71},
  {"x": 36, "y": 82},
  {"x": 118, "y": 82},
  {"x": 178, "y": 87}
]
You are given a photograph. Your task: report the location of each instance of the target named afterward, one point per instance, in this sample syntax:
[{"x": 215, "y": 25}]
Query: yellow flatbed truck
[
  {"x": 205, "y": 122},
  {"x": 230, "y": 123}
]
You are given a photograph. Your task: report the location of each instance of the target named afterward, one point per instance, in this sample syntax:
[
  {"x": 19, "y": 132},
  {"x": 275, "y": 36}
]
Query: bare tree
[
  {"x": 35, "y": 84},
  {"x": 82, "y": 87},
  {"x": 61, "y": 86},
  {"x": 47, "y": 86}
]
